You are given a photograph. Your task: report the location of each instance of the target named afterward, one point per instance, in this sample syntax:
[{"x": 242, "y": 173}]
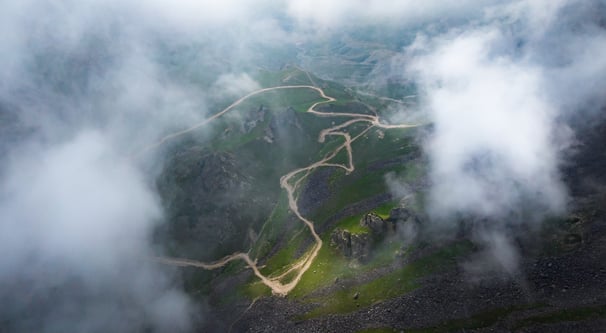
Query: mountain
[
  {"x": 382, "y": 265},
  {"x": 304, "y": 166}
]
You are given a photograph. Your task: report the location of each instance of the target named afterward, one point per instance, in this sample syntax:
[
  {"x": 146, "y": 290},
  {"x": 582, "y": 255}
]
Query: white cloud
[
  {"x": 335, "y": 14},
  {"x": 235, "y": 85},
  {"x": 494, "y": 90},
  {"x": 492, "y": 140}
]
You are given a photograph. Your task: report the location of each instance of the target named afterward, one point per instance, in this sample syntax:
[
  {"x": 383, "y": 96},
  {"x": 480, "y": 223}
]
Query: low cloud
[
  {"x": 492, "y": 146},
  {"x": 85, "y": 90},
  {"x": 235, "y": 85},
  {"x": 343, "y": 13},
  {"x": 75, "y": 233},
  {"x": 499, "y": 255},
  {"x": 496, "y": 92},
  {"x": 499, "y": 91}
]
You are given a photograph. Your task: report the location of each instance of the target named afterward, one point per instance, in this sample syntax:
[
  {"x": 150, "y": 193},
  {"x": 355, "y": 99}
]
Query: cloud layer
[
  {"x": 493, "y": 130},
  {"x": 75, "y": 234},
  {"x": 500, "y": 91},
  {"x": 83, "y": 89}
]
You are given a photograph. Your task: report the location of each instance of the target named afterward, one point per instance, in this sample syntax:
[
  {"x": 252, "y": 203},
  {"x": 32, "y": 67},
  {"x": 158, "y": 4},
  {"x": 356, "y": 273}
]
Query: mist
[
  {"x": 501, "y": 91},
  {"x": 82, "y": 90},
  {"x": 87, "y": 85},
  {"x": 86, "y": 88},
  {"x": 76, "y": 229}
]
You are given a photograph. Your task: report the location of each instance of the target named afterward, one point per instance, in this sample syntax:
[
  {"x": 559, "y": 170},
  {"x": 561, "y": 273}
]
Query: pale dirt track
[{"x": 301, "y": 265}]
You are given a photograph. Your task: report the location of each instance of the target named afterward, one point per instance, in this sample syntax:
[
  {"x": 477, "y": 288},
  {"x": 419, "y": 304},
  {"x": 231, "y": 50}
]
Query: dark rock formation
[
  {"x": 355, "y": 246},
  {"x": 375, "y": 223},
  {"x": 359, "y": 246}
]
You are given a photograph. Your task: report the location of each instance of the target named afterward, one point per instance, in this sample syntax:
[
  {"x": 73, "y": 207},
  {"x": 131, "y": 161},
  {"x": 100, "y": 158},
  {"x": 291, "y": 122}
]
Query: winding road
[{"x": 301, "y": 265}]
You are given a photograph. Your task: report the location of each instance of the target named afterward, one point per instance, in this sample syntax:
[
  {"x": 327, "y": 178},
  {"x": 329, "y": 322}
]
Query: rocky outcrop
[
  {"x": 355, "y": 246},
  {"x": 376, "y": 225},
  {"x": 359, "y": 245}
]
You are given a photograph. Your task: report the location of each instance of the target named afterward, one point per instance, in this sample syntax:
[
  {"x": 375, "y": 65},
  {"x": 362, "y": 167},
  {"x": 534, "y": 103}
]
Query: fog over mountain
[
  {"x": 500, "y": 92},
  {"x": 85, "y": 86}
]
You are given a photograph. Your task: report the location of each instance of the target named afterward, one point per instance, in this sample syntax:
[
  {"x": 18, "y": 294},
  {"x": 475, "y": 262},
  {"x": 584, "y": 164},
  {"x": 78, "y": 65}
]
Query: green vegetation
[
  {"x": 329, "y": 264},
  {"x": 384, "y": 210},
  {"x": 352, "y": 224},
  {"x": 352, "y": 188},
  {"x": 270, "y": 231},
  {"x": 371, "y": 164},
  {"x": 288, "y": 76},
  {"x": 254, "y": 289},
  {"x": 332, "y": 142},
  {"x": 326, "y": 267},
  {"x": 287, "y": 254}
]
